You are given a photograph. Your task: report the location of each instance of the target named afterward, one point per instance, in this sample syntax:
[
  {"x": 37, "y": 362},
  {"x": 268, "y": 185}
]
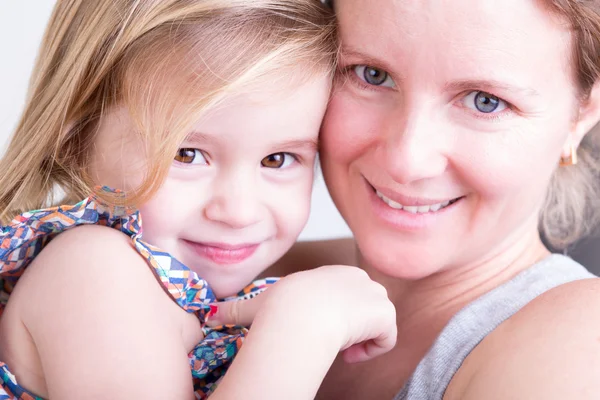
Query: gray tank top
[{"x": 478, "y": 319}]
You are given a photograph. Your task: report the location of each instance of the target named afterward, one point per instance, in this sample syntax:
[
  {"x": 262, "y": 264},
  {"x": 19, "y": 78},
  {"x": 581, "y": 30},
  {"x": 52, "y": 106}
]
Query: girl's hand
[{"x": 349, "y": 311}]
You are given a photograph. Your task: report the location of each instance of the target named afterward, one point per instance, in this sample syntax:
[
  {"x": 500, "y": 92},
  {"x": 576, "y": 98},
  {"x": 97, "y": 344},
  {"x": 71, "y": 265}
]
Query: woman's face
[{"x": 444, "y": 131}]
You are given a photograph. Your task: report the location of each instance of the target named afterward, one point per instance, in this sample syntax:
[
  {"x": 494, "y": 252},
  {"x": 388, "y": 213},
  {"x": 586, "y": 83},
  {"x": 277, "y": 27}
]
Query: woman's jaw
[
  {"x": 440, "y": 157},
  {"x": 442, "y": 293}
]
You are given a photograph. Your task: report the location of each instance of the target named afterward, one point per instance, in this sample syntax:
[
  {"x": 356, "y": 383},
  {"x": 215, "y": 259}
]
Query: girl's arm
[
  {"x": 103, "y": 327},
  {"x": 299, "y": 326}
]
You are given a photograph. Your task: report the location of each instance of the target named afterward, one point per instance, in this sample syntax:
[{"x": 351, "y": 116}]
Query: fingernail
[{"x": 213, "y": 310}]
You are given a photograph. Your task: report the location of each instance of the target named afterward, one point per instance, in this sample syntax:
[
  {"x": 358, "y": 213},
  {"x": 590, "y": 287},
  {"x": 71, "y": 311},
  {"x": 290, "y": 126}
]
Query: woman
[{"x": 441, "y": 149}]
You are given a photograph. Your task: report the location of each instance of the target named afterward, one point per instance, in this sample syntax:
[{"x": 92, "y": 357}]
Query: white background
[{"x": 22, "y": 25}]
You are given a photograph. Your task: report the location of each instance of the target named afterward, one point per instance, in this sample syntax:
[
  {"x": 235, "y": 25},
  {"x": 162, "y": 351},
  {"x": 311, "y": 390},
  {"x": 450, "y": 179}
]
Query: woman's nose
[{"x": 415, "y": 148}]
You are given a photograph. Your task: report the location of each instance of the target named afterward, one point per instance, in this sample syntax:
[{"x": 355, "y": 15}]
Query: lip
[
  {"x": 223, "y": 253},
  {"x": 408, "y": 200},
  {"x": 404, "y": 220}
]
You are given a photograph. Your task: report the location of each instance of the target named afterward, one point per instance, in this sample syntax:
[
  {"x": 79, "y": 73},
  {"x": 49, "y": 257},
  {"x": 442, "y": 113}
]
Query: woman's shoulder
[
  {"x": 549, "y": 349},
  {"x": 569, "y": 309}
]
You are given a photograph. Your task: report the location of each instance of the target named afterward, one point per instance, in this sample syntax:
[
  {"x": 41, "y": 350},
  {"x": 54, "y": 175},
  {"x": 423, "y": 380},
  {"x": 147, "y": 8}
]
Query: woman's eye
[
  {"x": 190, "y": 156},
  {"x": 373, "y": 76},
  {"x": 278, "y": 160},
  {"x": 484, "y": 102}
]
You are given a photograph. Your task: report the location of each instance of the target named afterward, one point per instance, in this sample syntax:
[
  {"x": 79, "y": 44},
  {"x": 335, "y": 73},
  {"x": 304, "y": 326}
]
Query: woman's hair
[
  {"x": 572, "y": 208},
  {"x": 166, "y": 62},
  {"x": 572, "y": 205}
]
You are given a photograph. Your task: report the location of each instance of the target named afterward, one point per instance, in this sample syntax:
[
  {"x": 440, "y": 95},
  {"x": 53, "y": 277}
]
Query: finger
[
  {"x": 370, "y": 349},
  {"x": 240, "y": 312}
]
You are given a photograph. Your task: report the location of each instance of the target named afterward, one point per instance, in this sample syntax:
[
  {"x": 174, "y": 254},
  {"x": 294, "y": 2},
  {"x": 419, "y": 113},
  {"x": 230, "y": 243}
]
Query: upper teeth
[{"x": 413, "y": 209}]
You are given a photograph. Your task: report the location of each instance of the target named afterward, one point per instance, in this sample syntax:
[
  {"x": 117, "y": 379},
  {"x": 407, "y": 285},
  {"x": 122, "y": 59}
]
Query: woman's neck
[{"x": 426, "y": 305}]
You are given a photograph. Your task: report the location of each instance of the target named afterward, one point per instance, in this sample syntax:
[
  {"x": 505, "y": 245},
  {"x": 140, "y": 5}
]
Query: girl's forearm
[{"x": 279, "y": 360}]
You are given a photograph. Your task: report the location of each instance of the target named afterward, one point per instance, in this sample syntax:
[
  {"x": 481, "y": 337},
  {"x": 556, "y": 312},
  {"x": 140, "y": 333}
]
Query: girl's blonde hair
[{"x": 166, "y": 61}]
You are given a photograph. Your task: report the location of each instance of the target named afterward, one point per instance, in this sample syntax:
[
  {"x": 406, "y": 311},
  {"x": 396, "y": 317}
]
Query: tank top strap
[{"x": 478, "y": 319}]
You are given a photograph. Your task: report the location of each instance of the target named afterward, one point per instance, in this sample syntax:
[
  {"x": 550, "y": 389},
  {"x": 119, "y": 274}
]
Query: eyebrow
[
  {"x": 305, "y": 144},
  {"x": 367, "y": 59},
  {"x": 472, "y": 84},
  {"x": 294, "y": 144},
  {"x": 466, "y": 84},
  {"x": 197, "y": 136}
]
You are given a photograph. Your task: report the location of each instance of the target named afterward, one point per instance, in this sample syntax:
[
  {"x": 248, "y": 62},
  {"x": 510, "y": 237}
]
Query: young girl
[{"x": 190, "y": 128}]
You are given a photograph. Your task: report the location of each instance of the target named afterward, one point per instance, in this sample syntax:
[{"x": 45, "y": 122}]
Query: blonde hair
[
  {"x": 166, "y": 61},
  {"x": 572, "y": 208}
]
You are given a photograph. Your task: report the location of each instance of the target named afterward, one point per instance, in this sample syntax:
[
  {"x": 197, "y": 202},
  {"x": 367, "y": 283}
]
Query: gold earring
[{"x": 571, "y": 160}]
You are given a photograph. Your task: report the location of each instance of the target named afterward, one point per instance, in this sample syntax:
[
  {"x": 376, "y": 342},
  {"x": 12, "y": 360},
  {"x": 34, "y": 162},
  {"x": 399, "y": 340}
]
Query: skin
[
  {"x": 224, "y": 197},
  {"x": 419, "y": 139},
  {"x": 48, "y": 335}
]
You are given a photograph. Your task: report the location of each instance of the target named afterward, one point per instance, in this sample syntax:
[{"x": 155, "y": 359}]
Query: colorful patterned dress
[{"x": 27, "y": 234}]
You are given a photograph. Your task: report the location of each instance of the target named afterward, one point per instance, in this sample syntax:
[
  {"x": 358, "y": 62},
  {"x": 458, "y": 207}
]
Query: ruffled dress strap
[{"x": 25, "y": 237}]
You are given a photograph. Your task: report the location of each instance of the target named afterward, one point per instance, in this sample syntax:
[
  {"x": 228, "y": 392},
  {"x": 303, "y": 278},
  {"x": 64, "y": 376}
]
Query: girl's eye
[
  {"x": 484, "y": 102},
  {"x": 278, "y": 160},
  {"x": 190, "y": 156},
  {"x": 373, "y": 76}
]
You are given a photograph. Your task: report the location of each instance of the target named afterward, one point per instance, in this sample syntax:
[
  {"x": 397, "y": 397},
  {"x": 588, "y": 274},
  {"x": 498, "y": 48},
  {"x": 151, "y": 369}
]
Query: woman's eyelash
[
  {"x": 492, "y": 117},
  {"x": 349, "y": 73},
  {"x": 506, "y": 112},
  {"x": 346, "y": 73}
]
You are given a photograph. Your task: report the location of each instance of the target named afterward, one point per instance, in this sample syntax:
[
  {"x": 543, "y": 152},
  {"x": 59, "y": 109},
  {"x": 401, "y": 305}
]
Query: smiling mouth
[
  {"x": 414, "y": 209},
  {"x": 223, "y": 254}
]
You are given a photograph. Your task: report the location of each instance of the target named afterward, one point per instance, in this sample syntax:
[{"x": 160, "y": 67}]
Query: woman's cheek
[
  {"x": 349, "y": 126},
  {"x": 505, "y": 163}
]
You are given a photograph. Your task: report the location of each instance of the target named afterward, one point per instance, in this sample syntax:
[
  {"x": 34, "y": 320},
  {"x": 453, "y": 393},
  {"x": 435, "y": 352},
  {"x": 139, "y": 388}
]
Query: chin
[
  {"x": 224, "y": 291},
  {"x": 400, "y": 260}
]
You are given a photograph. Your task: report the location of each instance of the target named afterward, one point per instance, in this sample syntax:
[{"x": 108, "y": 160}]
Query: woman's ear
[{"x": 588, "y": 118}]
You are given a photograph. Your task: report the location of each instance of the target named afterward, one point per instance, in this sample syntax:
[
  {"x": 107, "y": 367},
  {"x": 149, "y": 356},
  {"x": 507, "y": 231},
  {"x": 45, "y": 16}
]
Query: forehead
[
  {"x": 285, "y": 109},
  {"x": 450, "y": 36}
]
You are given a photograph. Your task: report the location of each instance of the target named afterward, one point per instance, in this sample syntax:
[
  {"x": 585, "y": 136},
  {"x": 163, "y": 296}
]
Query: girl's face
[
  {"x": 238, "y": 192},
  {"x": 445, "y": 127}
]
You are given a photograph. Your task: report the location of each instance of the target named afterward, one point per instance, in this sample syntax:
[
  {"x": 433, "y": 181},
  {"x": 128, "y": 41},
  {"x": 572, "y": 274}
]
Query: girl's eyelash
[
  {"x": 298, "y": 161},
  {"x": 295, "y": 156}
]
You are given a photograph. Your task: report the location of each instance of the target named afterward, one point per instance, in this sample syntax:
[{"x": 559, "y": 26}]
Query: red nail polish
[{"x": 213, "y": 310}]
